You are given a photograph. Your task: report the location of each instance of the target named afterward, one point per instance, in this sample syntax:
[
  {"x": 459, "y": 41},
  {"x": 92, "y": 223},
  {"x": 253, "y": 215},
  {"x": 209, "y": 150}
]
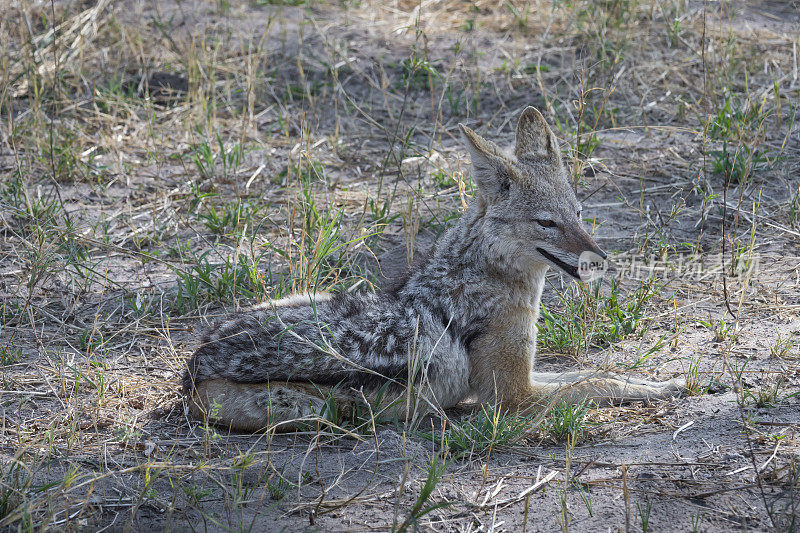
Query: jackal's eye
[{"x": 546, "y": 223}]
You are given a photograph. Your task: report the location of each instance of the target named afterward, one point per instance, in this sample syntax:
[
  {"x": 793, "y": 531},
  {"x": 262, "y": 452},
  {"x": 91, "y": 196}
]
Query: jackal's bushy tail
[{"x": 306, "y": 338}]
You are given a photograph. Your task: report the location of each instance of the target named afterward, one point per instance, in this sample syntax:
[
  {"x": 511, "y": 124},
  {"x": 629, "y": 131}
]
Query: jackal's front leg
[
  {"x": 502, "y": 373},
  {"x": 501, "y": 364},
  {"x": 602, "y": 389}
]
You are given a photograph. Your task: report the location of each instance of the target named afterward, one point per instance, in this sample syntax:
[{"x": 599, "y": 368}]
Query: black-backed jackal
[{"x": 463, "y": 324}]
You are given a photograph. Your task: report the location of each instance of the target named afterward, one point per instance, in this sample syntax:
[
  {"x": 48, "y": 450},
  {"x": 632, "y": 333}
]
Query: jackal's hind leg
[
  {"x": 286, "y": 406},
  {"x": 602, "y": 389},
  {"x": 259, "y": 406}
]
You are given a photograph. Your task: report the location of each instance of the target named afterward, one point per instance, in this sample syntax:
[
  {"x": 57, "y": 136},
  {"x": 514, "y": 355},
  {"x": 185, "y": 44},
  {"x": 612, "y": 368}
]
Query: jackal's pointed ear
[
  {"x": 488, "y": 164},
  {"x": 535, "y": 139}
]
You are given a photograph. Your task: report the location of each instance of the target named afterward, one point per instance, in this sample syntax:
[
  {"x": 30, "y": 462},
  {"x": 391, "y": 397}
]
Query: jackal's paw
[{"x": 674, "y": 387}]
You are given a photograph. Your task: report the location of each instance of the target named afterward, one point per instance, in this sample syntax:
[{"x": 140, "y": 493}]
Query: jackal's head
[{"x": 531, "y": 212}]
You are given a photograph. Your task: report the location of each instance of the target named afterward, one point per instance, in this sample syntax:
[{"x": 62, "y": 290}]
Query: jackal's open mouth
[{"x": 569, "y": 269}]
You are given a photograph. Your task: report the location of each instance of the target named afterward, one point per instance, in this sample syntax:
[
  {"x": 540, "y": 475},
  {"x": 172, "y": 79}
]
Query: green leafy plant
[
  {"x": 208, "y": 159},
  {"x": 592, "y": 318},
  {"x": 202, "y": 281},
  {"x": 481, "y": 432},
  {"x": 437, "y": 465},
  {"x": 565, "y": 420}
]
